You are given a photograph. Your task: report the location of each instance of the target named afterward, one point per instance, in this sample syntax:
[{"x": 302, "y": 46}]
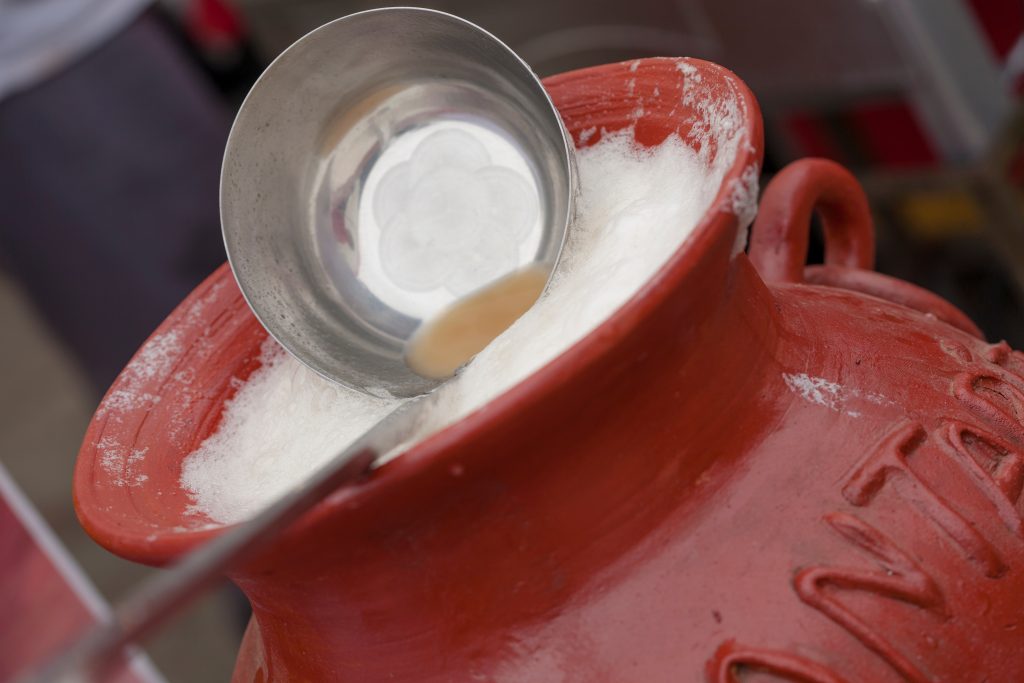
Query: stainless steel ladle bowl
[{"x": 384, "y": 166}]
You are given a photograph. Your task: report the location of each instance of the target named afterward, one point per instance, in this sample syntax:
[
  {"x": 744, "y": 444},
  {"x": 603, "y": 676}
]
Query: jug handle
[
  {"x": 781, "y": 232},
  {"x": 779, "y": 239}
]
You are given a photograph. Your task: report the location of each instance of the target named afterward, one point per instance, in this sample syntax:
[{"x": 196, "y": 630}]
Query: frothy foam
[{"x": 637, "y": 206}]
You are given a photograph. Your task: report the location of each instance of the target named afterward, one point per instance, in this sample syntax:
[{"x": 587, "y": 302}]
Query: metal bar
[{"x": 163, "y": 596}]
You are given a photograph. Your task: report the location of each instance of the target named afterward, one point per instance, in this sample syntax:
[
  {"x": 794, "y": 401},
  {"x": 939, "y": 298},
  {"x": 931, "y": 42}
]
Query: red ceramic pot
[{"x": 805, "y": 475}]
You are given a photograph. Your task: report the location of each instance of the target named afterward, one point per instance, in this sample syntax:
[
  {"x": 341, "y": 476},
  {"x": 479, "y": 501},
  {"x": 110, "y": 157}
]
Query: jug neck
[{"x": 501, "y": 521}]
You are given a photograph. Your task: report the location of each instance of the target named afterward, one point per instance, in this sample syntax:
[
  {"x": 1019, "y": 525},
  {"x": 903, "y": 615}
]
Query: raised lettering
[
  {"x": 995, "y": 465},
  {"x": 890, "y": 461},
  {"x": 898, "y": 578},
  {"x": 731, "y": 660},
  {"x": 995, "y": 394}
]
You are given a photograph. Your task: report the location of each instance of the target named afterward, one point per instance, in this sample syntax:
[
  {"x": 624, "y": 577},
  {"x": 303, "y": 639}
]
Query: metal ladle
[
  {"x": 384, "y": 167},
  {"x": 356, "y": 117}
]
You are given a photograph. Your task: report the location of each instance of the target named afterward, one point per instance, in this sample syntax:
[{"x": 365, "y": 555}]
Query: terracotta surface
[{"x": 728, "y": 481}]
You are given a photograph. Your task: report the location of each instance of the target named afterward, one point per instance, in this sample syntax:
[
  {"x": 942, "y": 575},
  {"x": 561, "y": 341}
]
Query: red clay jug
[{"x": 754, "y": 471}]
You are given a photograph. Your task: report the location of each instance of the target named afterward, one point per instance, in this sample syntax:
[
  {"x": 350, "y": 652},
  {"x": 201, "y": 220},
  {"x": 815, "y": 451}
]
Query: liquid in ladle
[{"x": 451, "y": 339}]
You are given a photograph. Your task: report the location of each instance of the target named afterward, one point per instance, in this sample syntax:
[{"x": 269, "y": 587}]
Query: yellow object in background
[{"x": 940, "y": 214}]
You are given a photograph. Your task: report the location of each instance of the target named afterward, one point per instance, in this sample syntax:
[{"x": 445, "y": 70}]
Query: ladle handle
[{"x": 97, "y": 652}]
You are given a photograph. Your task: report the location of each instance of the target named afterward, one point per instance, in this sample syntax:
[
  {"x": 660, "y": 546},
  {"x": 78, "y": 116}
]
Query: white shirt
[{"x": 39, "y": 38}]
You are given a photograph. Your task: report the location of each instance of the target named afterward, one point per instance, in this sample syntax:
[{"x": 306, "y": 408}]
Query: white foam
[{"x": 636, "y": 207}]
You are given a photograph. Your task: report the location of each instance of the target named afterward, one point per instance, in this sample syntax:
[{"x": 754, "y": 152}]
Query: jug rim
[{"x": 722, "y": 227}]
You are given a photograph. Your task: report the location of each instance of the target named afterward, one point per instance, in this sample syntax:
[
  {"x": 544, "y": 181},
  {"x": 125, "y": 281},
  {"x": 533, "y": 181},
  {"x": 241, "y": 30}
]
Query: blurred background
[{"x": 114, "y": 115}]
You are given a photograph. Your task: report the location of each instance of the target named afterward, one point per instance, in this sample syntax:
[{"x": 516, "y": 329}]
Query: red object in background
[
  {"x": 884, "y": 134},
  {"x": 812, "y": 137},
  {"x": 213, "y": 24},
  {"x": 1015, "y": 167},
  {"x": 887, "y": 134},
  {"x": 736, "y": 476},
  {"x": 45, "y": 601},
  {"x": 1002, "y": 21},
  {"x": 891, "y": 136}
]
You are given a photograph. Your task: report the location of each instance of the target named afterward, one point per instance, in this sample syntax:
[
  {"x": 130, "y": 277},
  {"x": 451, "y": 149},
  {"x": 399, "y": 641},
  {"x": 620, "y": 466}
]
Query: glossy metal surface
[{"x": 384, "y": 166}]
